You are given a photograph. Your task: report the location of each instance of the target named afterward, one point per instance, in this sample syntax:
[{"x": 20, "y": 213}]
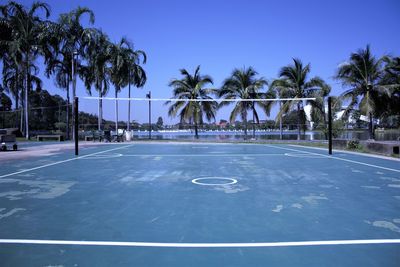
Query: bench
[
  {"x": 95, "y": 135},
  {"x": 58, "y": 137}
]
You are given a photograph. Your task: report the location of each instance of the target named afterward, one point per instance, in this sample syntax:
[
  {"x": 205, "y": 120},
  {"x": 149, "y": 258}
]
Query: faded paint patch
[
  {"x": 370, "y": 187},
  {"x": 313, "y": 199},
  {"x": 387, "y": 225},
  {"x": 11, "y": 212},
  {"x": 231, "y": 189},
  {"x": 278, "y": 208},
  {"x": 46, "y": 189},
  {"x": 297, "y": 206}
]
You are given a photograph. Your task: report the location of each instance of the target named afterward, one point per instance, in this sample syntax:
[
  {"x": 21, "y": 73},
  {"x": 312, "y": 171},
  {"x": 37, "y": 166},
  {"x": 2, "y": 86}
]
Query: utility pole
[
  {"x": 254, "y": 123},
  {"x": 129, "y": 101},
  {"x": 74, "y": 55},
  {"x": 330, "y": 124},
  {"x": 149, "y": 97},
  {"x": 26, "y": 97},
  {"x": 76, "y": 112},
  {"x": 280, "y": 121}
]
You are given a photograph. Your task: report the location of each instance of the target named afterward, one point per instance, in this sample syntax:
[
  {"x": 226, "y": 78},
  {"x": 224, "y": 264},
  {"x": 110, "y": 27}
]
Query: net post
[
  {"x": 76, "y": 102},
  {"x": 330, "y": 124}
]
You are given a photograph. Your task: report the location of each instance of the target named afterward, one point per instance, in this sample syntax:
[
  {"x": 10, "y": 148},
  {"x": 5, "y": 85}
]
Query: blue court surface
[{"x": 200, "y": 204}]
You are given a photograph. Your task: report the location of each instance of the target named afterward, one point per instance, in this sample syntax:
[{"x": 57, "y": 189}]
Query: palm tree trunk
[
  {"x": 26, "y": 100},
  {"x": 245, "y": 124},
  {"x": 100, "y": 109},
  {"x": 16, "y": 109},
  {"x": 67, "y": 120},
  {"x": 254, "y": 125},
  {"x": 21, "y": 118},
  {"x": 16, "y": 97},
  {"x": 371, "y": 127},
  {"x": 326, "y": 127},
  {"x": 129, "y": 109},
  {"x": 298, "y": 122},
  {"x": 129, "y": 102},
  {"x": 280, "y": 121},
  {"x": 196, "y": 133},
  {"x": 116, "y": 109}
]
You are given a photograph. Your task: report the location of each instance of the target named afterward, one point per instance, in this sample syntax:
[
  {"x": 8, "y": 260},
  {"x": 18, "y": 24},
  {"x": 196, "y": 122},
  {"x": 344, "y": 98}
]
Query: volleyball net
[{"x": 211, "y": 119}]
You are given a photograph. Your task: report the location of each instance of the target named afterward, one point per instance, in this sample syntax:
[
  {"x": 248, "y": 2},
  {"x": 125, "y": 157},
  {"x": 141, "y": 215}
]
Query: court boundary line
[
  {"x": 203, "y": 155},
  {"x": 368, "y": 155},
  {"x": 337, "y": 158},
  {"x": 61, "y": 161},
  {"x": 200, "y": 245}
]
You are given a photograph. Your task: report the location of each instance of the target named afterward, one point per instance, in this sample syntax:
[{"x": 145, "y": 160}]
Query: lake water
[{"x": 261, "y": 135}]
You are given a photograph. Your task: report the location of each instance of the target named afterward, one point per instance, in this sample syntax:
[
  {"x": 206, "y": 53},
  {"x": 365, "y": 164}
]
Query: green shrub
[{"x": 354, "y": 144}]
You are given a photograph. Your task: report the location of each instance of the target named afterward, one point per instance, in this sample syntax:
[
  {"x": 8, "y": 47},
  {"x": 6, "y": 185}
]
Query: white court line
[
  {"x": 201, "y": 245},
  {"x": 59, "y": 162},
  {"x": 201, "y": 155},
  {"x": 333, "y": 157}
]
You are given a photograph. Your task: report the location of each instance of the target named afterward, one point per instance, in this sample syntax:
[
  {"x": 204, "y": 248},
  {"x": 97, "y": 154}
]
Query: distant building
[{"x": 223, "y": 124}]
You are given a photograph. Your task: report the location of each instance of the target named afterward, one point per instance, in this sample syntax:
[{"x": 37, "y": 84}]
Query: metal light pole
[
  {"x": 76, "y": 103},
  {"x": 129, "y": 101},
  {"x": 149, "y": 97},
  {"x": 280, "y": 121},
  {"x": 254, "y": 126},
  {"x": 26, "y": 98},
  {"x": 74, "y": 55},
  {"x": 330, "y": 125}
]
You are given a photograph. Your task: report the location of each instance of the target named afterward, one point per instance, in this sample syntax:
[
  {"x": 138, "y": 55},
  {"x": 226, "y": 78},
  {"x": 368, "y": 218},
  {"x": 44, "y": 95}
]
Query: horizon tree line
[
  {"x": 68, "y": 50},
  {"x": 372, "y": 85}
]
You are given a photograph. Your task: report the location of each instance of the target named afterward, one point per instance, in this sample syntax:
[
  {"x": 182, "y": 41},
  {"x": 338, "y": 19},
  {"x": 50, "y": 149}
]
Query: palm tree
[
  {"x": 68, "y": 39},
  {"x": 293, "y": 82},
  {"x": 97, "y": 72},
  {"x": 137, "y": 76},
  {"x": 363, "y": 74},
  {"x": 75, "y": 37},
  {"x": 390, "y": 104},
  {"x": 189, "y": 89},
  {"x": 5, "y": 31},
  {"x": 12, "y": 81},
  {"x": 27, "y": 34},
  {"x": 242, "y": 85},
  {"x": 120, "y": 55},
  {"x": 318, "y": 111}
]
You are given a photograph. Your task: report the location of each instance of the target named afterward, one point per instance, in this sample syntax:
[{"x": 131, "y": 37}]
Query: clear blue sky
[{"x": 221, "y": 35}]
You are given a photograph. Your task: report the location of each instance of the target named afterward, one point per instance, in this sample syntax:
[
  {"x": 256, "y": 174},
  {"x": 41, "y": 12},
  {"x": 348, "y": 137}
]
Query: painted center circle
[{"x": 213, "y": 180}]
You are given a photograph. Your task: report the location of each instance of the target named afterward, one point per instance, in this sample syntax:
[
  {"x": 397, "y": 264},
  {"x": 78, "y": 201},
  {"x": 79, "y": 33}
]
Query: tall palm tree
[
  {"x": 137, "y": 76},
  {"x": 12, "y": 80},
  {"x": 27, "y": 34},
  {"x": 69, "y": 39},
  {"x": 242, "y": 85},
  {"x": 294, "y": 82},
  {"x": 363, "y": 74},
  {"x": 97, "y": 71},
  {"x": 75, "y": 37},
  {"x": 187, "y": 89},
  {"x": 390, "y": 104},
  {"x": 5, "y": 31},
  {"x": 120, "y": 55}
]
